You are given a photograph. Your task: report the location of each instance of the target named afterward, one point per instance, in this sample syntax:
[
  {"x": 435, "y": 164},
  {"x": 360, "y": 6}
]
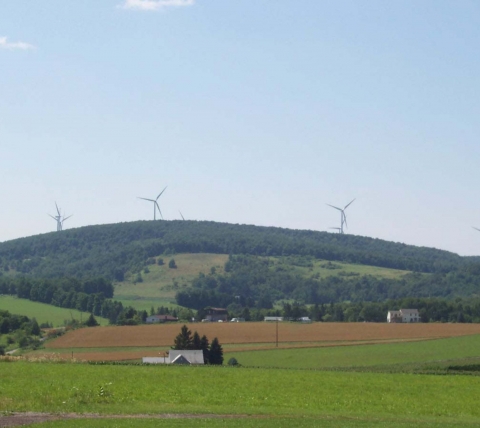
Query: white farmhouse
[
  {"x": 177, "y": 357},
  {"x": 403, "y": 316}
]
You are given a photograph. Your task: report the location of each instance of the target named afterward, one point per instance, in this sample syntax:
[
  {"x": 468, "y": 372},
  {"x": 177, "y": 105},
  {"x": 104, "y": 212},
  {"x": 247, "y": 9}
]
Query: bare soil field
[{"x": 261, "y": 332}]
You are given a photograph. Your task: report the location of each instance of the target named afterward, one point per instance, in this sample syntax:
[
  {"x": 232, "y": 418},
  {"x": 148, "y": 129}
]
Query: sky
[{"x": 251, "y": 112}]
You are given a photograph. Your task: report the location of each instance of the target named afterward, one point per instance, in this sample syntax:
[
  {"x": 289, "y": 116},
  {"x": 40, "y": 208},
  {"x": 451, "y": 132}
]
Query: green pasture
[
  {"x": 324, "y": 268},
  {"x": 43, "y": 312},
  {"x": 362, "y": 398},
  {"x": 145, "y": 304},
  {"x": 363, "y": 355},
  {"x": 161, "y": 283}
]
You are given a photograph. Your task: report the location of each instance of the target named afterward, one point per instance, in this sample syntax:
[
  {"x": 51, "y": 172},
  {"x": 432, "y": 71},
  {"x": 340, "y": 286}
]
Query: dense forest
[
  {"x": 110, "y": 251},
  {"x": 259, "y": 282}
]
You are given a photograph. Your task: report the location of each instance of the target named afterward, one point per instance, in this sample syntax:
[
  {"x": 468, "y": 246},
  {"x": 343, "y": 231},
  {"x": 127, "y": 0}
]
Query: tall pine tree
[
  {"x": 216, "y": 353},
  {"x": 183, "y": 340}
]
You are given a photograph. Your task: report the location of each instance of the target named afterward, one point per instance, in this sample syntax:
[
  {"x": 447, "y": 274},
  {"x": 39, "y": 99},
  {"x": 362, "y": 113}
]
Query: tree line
[{"x": 212, "y": 353}]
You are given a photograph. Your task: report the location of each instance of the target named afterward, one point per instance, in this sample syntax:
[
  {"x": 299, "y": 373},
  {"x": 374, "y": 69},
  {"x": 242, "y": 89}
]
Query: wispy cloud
[
  {"x": 4, "y": 44},
  {"x": 155, "y": 4}
]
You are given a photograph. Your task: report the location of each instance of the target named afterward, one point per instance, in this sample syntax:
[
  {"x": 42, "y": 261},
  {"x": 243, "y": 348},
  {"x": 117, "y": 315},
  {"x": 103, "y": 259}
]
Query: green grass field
[
  {"x": 161, "y": 283},
  {"x": 362, "y": 399},
  {"x": 43, "y": 312},
  {"x": 364, "y": 355}
]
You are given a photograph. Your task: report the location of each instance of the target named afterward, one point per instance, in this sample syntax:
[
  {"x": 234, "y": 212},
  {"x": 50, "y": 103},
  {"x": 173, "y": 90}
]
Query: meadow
[
  {"x": 382, "y": 355},
  {"x": 161, "y": 283},
  {"x": 44, "y": 313},
  {"x": 300, "y": 397}
]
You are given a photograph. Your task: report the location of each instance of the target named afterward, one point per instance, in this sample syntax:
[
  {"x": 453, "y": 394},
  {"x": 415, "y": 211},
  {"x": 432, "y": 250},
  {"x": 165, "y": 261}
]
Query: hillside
[{"x": 114, "y": 250}]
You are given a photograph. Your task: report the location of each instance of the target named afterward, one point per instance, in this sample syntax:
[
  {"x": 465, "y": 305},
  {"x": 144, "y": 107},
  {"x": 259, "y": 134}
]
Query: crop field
[
  {"x": 381, "y": 355},
  {"x": 261, "y": 332},
  {"x": 269, "y": 397},
  {"x": 161, "y": 283},
  {"x": 43, "y": 312}
]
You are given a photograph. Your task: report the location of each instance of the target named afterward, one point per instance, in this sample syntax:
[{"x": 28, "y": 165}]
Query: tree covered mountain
[{"x": 112, "y": 250}]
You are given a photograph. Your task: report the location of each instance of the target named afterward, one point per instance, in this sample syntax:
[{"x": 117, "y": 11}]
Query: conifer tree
[
  {"x": 183, "y": 339},
  {"x": 216, "y": 353},
  {"x": 204, "y": 345},
  {"x": 196, "y": 341}
]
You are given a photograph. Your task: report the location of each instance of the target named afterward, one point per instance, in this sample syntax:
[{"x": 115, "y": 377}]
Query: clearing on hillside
[
  {"x": 160, "y": 283},
  {"x": 44, "y": 313}
]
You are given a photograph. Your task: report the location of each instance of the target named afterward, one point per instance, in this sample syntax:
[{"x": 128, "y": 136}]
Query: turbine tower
[
  {"x": 343, "y": 217},
  {"x": 59, "y": 219},
  {"x": 155, "y": 204}
]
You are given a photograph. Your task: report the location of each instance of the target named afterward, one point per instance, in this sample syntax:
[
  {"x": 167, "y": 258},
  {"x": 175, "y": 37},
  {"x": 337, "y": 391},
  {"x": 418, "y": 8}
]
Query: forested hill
[{"x": 112, "y": 250}]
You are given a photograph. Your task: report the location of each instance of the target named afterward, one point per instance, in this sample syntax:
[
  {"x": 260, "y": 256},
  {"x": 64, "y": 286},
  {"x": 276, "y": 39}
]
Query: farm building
[
  {"x": 273, "y": 319},
  {"x": 403, "y": 315},
  {"x": 216, "y": 314},
  {"x": 160, "y": 318},
  {"x": 177, "y": 357}
]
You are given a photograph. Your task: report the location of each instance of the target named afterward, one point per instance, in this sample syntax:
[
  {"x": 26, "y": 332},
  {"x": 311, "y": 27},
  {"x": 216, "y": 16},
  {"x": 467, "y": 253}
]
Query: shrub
[
  {"x": 172, "y": 264},
  {"x": 233, "y": 362}
]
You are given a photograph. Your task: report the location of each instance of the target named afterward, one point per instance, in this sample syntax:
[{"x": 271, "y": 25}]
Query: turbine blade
[
  {"x": 476, "y": 228},
  {"x": 346, "y": 206},
  {"x": 160, "y": 194},
  {"x": 52, "y": 216},
  {"x": 158, "y": 206},
  {"x": 183, "y": 218},
  {"x": 66, "y": 218},
  {"x": 145, "y": 199},
  {"x": 58, "y": 211},
  {"x": 345, "y": 219},
  {"x": 339, "y": 209}
]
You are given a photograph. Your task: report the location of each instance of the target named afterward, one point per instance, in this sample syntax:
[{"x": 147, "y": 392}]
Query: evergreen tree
[
  {"x": 204, "y": 345},
  {"x": 196, "y": 341},
  {"x": 35, "y": 328},
  {"x": 183, "y": 340},
  {"x": 216, "y": 353},
  {"x": 91, "y": 321}
]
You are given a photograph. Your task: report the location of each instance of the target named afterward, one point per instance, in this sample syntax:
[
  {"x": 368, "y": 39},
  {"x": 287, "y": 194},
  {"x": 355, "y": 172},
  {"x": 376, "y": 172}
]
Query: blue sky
[{"x": 253, "y": 112}]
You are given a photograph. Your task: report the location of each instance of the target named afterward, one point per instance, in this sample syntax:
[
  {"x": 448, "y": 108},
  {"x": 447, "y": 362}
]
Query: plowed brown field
[{"x": 261, "y": 332}]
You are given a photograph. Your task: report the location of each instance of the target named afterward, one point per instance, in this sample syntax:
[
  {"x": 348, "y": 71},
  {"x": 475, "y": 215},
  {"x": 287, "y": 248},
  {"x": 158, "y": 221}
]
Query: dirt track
[{"x": 28, "y": 418}]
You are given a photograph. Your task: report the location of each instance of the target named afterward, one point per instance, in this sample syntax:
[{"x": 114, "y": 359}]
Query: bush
[
  {"x": 2, "y": 350},
  {"x": 160, "y": 262},
  {"x": 172, "y": 264},
  {"x": 233, "y": 362}
]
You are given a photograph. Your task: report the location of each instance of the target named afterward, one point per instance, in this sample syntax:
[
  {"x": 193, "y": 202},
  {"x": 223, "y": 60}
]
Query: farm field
[
  {"x": 161, "y": 283},
  {"x": 298, "y": 397},
  {"x": 43, "y": 312},
  {"x": 261, "y": 332},
  {"x": 381, "y": 355}
]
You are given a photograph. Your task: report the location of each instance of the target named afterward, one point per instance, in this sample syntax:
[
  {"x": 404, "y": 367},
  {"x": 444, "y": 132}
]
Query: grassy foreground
[
  {"x": 43, "y": 312},
  {"x": 367, "y": 397}
]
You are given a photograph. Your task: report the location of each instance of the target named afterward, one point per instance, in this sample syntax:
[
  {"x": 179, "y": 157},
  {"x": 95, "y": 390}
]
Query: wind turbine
[
  {"x": 336, "y": 228},
  {"x": 58, "y": 218},
  {"x": 476, "y": 228},
  {"x": 183, "y": 218},
  {"x": 343, "y": 217},
  {"x": 155, "y": 204}
]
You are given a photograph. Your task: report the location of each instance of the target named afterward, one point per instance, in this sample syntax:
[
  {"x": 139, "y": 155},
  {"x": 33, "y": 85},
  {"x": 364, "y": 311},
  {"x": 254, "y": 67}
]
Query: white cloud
[
  {"x": 4, "y": 44},
  {"x": 155, "y": 4}
]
